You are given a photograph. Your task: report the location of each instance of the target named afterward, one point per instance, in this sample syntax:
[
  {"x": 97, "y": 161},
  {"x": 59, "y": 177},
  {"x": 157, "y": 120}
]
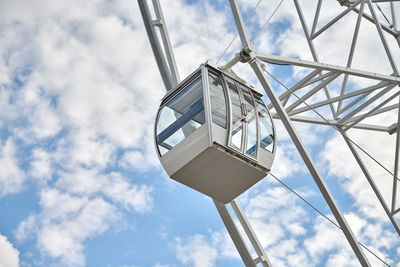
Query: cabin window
[
  {"x": 266, "y": 129},
  {"x": 251, "y": 120},
  {"x": 180, "y": 116},
  {"x": 218, "y": 103},
  {"x": 237, "y": 115}
]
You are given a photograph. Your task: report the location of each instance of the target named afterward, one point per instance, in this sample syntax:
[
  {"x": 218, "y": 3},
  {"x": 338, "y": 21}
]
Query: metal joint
[
  {"x": 392, "y": 128},
  {"x": 345, "y": 2},
  {"x": 246, "y": 55},
  {"x": 156, "y": 23}
]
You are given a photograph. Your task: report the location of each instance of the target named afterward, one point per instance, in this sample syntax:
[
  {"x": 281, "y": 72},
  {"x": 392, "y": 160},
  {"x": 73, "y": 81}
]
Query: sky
[{"x": 80, "y": 181}]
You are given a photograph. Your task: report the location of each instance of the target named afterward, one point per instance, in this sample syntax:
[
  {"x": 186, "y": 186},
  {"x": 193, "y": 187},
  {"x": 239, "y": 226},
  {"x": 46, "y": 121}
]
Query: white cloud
[
  {"x": 9, "y": 256},
  {"x": 120, "y": 190},
  {"x": 161, "y": 265},
  {"x": 11, "y": 175},
  {"x": 342, "y": 164},
  {"x": 65, "y": 223},
  {"x": 137, "y": 160},
  {"x": 204, "y": 19},
  {"x": 26, "y": 228},
  {"x": 81, "y": 181},
  {"x": 82, "y": 95},
  {"x": 41, "y": 164},
  {"x": 325, "y": 240},
  {"x": 88, "y": 76},
  {"x": 196, "y": 251},
  {"x": 45, "y": 122},
  {"x": 278, "y": 221}
]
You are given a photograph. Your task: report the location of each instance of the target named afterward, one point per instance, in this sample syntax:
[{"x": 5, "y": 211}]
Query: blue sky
[{"x": 80, "y": 181}]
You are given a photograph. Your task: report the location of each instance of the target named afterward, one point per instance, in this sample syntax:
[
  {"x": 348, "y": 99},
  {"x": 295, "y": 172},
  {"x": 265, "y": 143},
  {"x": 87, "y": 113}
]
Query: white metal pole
[
  {"x": 371, "y": 182},
  {"x": 169, "y": 72},
  {"x": 235, "y": 234},
  {"x": 155, "y": 45},
  {"x": 296, "y": 139},
  {"x": 166, "y": 41},
  {"x": 263, "y": 259},
  {"x": 310, "y": 165}
]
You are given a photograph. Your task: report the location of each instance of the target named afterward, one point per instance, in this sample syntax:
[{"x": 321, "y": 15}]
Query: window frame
[{"x": 170, "y": 95}]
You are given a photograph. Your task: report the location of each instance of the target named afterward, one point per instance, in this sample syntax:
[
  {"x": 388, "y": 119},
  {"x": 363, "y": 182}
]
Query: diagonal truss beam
[
  {"x": 351, "y": 53},
  {"x": 372, "y": 183},
  {"x": 338, "y": 17},
  {"x": 296, "y": 139},
  {"x": 352, "y": 119},
  {"x": 284, "y": 117},
  {"x": 300, "y": 84},
  {"x": 357, "y": 119},
  {"x": 328, "y": 67},
  {"x": 321, "y": 121},
  {"x": 364, "y": 91},
  {"x": 370, "y": 101},
  {"x": 376, "y": 111},
  {"x": 312, "y": 92}
]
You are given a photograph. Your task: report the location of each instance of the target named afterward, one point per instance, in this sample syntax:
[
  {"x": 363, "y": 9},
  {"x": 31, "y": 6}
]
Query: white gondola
[{"x": 214, "y": 134}]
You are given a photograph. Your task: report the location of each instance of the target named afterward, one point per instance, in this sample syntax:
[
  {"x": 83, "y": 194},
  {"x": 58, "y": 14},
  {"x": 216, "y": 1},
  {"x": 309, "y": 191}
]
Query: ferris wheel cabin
[{"x": 214, "y": 134}]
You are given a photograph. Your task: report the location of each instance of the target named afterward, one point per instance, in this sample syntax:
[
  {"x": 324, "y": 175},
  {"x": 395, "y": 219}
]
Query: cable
[
  {"x": 322, "y": 214},
  {"x": 391, "y": 25},
  {"x": 266, "y": 23},
  {"x": 229, "y": 45},
  {"x": 334, "y": 126}
]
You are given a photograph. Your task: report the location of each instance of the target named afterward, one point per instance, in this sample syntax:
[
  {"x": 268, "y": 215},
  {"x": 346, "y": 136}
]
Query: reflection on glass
[
  {"x": 180, "y": 117},
  {"x": 266, "y": 130},
  {"x": 237, "y": 124},
  {"x": 218, "y": 104},
  {"x": 252, "y": 137},
  {"x": 251, "y": 144}
]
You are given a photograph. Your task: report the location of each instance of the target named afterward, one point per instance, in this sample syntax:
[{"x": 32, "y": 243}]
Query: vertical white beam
[
  {"x": 166, "y": 41},
  {"x": 394, "y": 16},
  {"x": 396, "y": 163},
  {"x": 155, "y": 45},
  {"x": 312, "y": 48},
  {"x": 310, "y": 165},
  {"x": 351, "y": 53},
  {"x": 299, "y": 144},
  {"x": 316, "y": 16},
  {"x": 251, "y": 234},
  {"x": 234, "y": 233},
  {"x": 244, "y": 37},
  {"x": 371, "y": 182},
  {"x": 383, "y": 39}
]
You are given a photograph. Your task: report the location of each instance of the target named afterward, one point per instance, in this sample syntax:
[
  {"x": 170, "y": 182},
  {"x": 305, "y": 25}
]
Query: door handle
[{"x": 243, "y": 108}]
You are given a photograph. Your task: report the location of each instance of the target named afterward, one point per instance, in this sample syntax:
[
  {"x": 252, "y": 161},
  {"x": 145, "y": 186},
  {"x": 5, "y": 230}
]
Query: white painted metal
[
  {"x": 295, "y": 138},
  {"x": 170, "y": 81},
  {"x": 235, "y": 234},
  {"x": 262, "y": 257},
  {"x": 328, "y": 67},
  {"x": 204, "y": 160},
  {"x": 321, "y": 76}
]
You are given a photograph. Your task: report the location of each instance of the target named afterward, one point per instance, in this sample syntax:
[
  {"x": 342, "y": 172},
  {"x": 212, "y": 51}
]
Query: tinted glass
[
  {"x": 218, "y": 105},
  {"x": 251, "y": 143},
  {"x": 266, "y": 130},
  {"x": 180, "y": 116},
  {"x": 237, "y": 124}
]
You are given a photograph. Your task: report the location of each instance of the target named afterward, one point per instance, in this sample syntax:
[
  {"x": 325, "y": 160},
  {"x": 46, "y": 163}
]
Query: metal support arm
[
  {"x": 310, "y": 165},
  {"x": 329, "y": 67}
]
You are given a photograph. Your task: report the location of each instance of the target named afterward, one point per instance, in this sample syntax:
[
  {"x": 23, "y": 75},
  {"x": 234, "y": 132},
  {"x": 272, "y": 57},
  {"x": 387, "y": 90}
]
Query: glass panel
[
  {"x": 266, "y": 130},
  {"x": 237, "y": 125},
  {"x": 218, "y": 104},
  {"x": 251, "y": 145},
  {"x": 180, "y": 117}
]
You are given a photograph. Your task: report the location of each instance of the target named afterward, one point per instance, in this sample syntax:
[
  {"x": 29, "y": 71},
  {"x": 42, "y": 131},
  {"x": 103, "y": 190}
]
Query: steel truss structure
[{"x": 348, "y": 110}]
